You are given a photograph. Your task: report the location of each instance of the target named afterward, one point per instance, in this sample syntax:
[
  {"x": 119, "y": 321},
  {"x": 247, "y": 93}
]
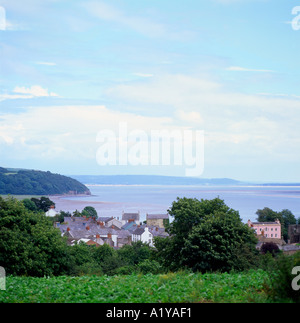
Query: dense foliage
[
  {"x": 206, "y": 235},
  {"x": 180, "y": 287},
  {"x": 29, "y": 244},
  {"x": 31, "y": 182}
]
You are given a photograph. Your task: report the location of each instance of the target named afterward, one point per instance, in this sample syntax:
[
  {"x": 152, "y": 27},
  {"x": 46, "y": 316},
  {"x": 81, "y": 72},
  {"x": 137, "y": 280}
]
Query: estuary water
[{"x": 111, "y": 200}]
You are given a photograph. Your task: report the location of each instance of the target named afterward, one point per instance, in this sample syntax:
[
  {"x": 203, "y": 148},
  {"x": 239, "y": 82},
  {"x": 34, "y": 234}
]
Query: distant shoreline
[{"x": 194, "y": 185}]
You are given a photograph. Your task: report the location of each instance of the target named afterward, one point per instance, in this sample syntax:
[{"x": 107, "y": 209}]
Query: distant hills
[
  {"x": 151, "y": 180},
  {"x": 17, "y": 181},
  {"x": 34, "y": 182},
  {"x": 165, "y": 180}
]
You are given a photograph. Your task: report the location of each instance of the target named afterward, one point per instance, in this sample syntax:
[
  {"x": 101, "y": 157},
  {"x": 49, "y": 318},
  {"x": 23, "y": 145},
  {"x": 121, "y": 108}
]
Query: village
[
  {"x": 113, "y": 231},
  {"x": 120, "y": 231}
]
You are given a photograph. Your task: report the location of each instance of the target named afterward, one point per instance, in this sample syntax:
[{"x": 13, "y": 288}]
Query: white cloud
[
  {"x": 191, "y": 117},
  {"x": 46, "y": 63},
  {"x": 244, "y": 69},
  {"x": 68, "y": 132},
  {"x": 254, "y": 124},
  {"x": 21, "y": 92},
  {"x": 34, "y": 91}
]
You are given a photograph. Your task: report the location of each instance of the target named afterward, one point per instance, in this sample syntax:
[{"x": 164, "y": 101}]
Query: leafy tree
[
  {"x": 30, "y": 205},
  {"x": 281, "y": 277},
  {"x": 134, "y": 254},
  {"x": 60, "y": 217},
  {"x": 266, "y": 215},
  {"x": 149, "y": 267},
  {"x": 212, "y": 244},
  {"x": 90, "y": 211},
  {"x": 188, "y": 213},
  {"x": 103, "y": 252},
  {"x": 81, "y": 257},
  {"x": 43, "y": 204},
  {"x": 76, "y": 213},
  {"x": 29, "y": 244}
]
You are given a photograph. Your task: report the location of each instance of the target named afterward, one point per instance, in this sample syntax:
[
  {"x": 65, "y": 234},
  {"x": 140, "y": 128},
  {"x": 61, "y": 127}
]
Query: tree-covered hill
[{"x": 33, "y": 182}]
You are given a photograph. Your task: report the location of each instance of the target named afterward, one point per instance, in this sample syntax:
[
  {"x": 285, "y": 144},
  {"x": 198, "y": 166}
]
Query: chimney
[
  {"x": 156, "y": 228},
  {"x": 88, "y": 228},
  {"x": 112, "y": 226},
  {"x": 68, "y": 229}
]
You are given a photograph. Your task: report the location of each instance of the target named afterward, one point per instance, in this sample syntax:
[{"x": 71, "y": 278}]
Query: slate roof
[
  {"x": 131, "y": 216},
  {"x": 157, "y": 216},
  {"x": 158, "y": 232},
  {"x": 139, "y": 231},
  {"x": 104, "y": 218},
  {"x": 265, "y": 223}
]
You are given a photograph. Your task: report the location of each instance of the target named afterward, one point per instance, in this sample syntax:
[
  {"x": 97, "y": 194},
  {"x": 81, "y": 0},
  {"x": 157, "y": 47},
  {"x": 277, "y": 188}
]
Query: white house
[
  {"x": 142, "y": 234},
  {"x": 51, "y": 212}
]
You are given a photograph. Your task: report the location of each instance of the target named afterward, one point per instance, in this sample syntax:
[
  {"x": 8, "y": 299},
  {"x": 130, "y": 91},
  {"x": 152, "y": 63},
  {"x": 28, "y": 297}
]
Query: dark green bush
[{"x": 281, "y": 277}]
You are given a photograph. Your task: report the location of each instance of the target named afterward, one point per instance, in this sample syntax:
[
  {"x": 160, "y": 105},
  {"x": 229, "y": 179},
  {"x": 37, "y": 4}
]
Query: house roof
[
  {"x": 158, "y": 232},
  {"x": 157, "y": 216},
  {"x": 104, "y": 218},
  {"x": 265, "y": 223},
  {"x": 139, "y": 231},
  {"x": 129, "y": 216}
]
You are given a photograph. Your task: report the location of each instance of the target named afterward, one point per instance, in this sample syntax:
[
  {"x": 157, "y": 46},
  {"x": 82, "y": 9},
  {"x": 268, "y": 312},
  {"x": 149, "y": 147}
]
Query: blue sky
[{"x": 69, "y": 69}]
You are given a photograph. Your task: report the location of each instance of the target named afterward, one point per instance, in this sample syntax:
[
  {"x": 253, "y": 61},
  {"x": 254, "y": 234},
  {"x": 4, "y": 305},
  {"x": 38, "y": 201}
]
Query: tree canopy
[
  {"x": 204, "y": 235},
  {"x": 29, "y": 244},
  {"x": 89, "y": 211}
]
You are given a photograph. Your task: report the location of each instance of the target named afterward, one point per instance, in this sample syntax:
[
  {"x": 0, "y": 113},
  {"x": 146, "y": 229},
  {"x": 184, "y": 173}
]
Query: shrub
[
  {"x": 281, "y": 277},
  {"x": 270, "y": 247},
  {"x": 149, "y": 267}
]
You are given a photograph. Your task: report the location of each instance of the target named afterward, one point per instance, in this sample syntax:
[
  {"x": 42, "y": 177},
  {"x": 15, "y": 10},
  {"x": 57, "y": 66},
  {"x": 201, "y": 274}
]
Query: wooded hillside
[{"x": 33, "y": 182}]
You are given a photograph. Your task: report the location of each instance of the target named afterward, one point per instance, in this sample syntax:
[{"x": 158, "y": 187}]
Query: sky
[{"x": 73, "y": 71}]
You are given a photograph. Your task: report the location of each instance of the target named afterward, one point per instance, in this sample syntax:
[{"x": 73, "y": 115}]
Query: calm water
[{"x": 157, "y": 199}]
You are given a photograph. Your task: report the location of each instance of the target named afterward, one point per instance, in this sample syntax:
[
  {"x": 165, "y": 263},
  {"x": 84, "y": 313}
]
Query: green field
[{"x": 180, "y": 287}]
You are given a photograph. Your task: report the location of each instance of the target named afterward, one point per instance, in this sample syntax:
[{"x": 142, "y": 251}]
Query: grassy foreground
[{"x": 169, "y": 288}]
